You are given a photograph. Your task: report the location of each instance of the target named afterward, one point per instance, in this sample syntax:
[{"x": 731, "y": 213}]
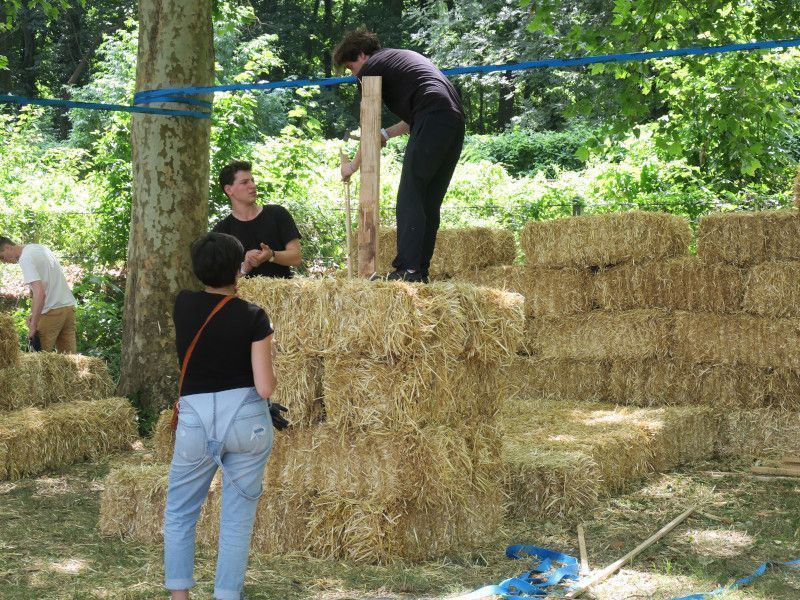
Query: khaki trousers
[{"x": 57, "y": 330}]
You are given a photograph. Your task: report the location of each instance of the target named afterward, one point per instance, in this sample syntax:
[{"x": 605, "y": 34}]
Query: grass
[{"x": 50, "y": 546}]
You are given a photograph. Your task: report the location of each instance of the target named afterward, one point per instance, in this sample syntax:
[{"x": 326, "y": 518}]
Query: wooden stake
[
  {"x": 782, "y": 471},
  {"x": 369, "y": 192},
  {"x": 348, "y": 227},
  {"x": 582, "y": 548},
  {"x": 616, "y": 566}
]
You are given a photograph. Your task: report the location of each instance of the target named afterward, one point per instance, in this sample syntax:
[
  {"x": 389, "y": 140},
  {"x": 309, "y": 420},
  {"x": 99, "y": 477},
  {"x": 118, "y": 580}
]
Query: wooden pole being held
[
  {"x": 347, "y": 217},
  {"x": 370, "y": 188}
]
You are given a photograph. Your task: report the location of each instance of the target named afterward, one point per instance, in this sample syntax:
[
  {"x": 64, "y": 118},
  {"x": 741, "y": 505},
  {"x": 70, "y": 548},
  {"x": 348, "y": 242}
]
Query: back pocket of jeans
[
  {"x": 190, "y": 438},
  {"x": 251, "y": 432}
]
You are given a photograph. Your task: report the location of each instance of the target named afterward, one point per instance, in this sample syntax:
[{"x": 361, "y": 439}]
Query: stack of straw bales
[
  {"x": 632, "y": 319},
  {"x": 392, "y": 391},
  {"x": 459, "y": 253},
  {"x": 55, "y": 409},
  {"x": 562, "y": 458}
]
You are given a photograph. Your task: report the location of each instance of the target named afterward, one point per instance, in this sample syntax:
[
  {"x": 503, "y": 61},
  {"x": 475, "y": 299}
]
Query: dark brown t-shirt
[{"x": 412, "y": 85}]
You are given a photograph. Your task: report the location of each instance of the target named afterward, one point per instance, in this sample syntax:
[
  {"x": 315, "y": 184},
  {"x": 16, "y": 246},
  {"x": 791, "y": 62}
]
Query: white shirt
[{"x": 39, "y": 264}]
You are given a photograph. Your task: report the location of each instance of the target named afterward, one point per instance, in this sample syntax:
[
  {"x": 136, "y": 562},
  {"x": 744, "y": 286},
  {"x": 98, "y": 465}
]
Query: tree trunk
[
  {"x": 170, "y": 158},
  {"x": 28, "y": 30},
  {"x": 505, "y": 103},
  {"x": 327, "y": 27},
  {"x": 5, "y": 50}
]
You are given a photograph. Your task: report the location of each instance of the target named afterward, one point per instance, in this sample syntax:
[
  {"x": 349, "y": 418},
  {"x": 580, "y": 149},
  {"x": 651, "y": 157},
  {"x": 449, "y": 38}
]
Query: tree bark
[
  {"x": 505, "y": 103},
  {"x": 170, "y": 158}
]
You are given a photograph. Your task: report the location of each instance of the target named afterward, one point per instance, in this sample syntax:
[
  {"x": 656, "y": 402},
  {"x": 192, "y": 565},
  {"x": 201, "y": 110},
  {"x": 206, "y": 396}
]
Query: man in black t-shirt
[
  {"x": 430, "y": 109},
  {"x": 267, "y": 232}
]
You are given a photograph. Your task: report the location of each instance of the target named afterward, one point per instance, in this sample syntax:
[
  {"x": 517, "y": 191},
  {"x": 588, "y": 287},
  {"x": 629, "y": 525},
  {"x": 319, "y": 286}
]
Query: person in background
[
  {"x": 225, "y": 418},
  {"x": 267, "y": 232},
  {"x": 52, "y": 318},
  {"x": 431, "y": 112}
]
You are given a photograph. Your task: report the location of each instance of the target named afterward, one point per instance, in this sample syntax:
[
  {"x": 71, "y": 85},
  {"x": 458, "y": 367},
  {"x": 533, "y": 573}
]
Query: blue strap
[
  {"x": 740, "y": 582},
  {"x": 528, "y": 585},
  {"x": 147, "y": 96},
  {"x": 21, "y": 100}
]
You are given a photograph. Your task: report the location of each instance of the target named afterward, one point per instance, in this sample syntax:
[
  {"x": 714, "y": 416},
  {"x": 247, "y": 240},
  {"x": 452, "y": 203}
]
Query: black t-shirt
[
  {"x": 221, "y": 359},
  {"x": 273, "y": 226},
  {"x": 412, "y": 85}
]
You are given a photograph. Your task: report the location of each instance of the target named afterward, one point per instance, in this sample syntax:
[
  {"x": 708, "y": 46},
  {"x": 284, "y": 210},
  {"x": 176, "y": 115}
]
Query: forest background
[{"x": 681, "y": 135}]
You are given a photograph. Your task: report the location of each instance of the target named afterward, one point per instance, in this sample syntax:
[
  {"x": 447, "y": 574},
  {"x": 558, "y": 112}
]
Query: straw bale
[
  {"x": 749, "y": 238},
  {"x": 669, "y": 382},
  {"x": 557, "y": 291},
  {"x": 773, "y": 289},
  {"x": 9, "y": 341},
  {"x": 374, "y": 497},
  {"x": 44, "y": 378},
  {"x": 680, "y": 434},
  {"x": 567, "y": 380},
  {"x": 459, "y": 252},
  {"x": 509, "y": 278},
  {"x": 363, "y": 393},
  {"x": 758, "y": 433},
  {"x": 561, "y": 459},
  {"x": 737, "y": 340},
  {"x": 678, "y": 284},
  {"x": 607, "y": 239},
  {"x": 299, "y": 387},
  {"x": 301, "y": 310},
  {"x": 601, "y": 335},
  {"x": 34, "y": 439},
  {"x": 390, "y": 320}
]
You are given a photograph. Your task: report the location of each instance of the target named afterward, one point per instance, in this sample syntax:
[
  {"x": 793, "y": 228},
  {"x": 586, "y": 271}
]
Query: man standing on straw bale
[
  {"x": 267, "y": 232},
  {"x": 52, "y": 316},
  {"x": 431, "y": 111}
]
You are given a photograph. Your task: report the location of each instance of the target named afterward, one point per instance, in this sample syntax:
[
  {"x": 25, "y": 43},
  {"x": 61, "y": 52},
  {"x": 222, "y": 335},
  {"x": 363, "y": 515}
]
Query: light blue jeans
[{"x": 230, "y": 430}]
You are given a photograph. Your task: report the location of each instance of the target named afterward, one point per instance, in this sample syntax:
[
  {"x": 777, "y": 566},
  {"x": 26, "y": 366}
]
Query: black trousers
[{"x": 432, "y": 153}]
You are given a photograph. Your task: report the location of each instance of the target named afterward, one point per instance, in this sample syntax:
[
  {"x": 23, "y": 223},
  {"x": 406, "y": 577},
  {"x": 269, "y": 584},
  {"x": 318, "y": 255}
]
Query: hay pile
[
  {"x": 749, "y": 238},
  {"x": 394, "y": 453},
  {"x": 34, "y": 439},
  {"x": 560, "y": 459},
  {"x": 459, "y": 252},
  {"x": 677, "y": 284},
  {"x": 9, "y": 342},
  {"x": 44, "y": 378},
  {"x": 773, "y": 289},
  {"x": 603, "y": 240}
]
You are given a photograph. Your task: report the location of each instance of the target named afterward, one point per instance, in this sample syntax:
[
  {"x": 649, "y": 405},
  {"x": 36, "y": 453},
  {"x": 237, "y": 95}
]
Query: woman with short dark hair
[{"x": 225, "y": 417}]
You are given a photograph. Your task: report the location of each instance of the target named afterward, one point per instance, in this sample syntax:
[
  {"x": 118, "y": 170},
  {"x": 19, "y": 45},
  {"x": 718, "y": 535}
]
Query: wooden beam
[
  {"x": 370, "y": 189},
  {"x": 783, "y": 472},
  {"x": 616, "y": 566}
]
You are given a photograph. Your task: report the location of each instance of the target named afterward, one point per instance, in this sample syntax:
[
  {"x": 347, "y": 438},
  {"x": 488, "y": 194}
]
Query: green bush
[{"x": 524, "y": 152}]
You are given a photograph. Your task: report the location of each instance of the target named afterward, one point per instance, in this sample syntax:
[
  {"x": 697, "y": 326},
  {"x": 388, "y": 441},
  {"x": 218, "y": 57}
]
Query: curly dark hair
[
  {"x": 354, "y": 43},
  {"x": 227, "y": 174}
]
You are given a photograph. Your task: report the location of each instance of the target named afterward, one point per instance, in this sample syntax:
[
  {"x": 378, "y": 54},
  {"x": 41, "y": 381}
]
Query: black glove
[{"x": 279, "y": 422}]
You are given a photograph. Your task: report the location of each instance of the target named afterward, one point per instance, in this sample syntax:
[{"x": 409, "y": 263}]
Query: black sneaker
[{"x": 404, "y": 275}]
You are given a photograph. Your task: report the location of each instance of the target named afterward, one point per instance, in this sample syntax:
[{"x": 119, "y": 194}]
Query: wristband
[
  {"x": 385, "y": 134},
  {"x": 241, "y": 269},
  {"x": 272, "y": 258}
]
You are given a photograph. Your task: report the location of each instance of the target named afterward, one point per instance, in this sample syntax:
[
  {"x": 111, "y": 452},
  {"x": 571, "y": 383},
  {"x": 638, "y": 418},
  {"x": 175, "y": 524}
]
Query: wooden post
[
  {"x": 347, "y": 217},
  {"x": 370, "y": 189},
  {"x": 582, "y": 549}
]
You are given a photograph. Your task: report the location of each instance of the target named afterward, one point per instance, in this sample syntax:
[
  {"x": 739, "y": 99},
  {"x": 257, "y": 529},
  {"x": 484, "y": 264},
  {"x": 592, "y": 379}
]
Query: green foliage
[
  {"x": 98, "y": 317},
  {"x": 524, "y": 152},
  {"x": 732, "y": 115}
]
